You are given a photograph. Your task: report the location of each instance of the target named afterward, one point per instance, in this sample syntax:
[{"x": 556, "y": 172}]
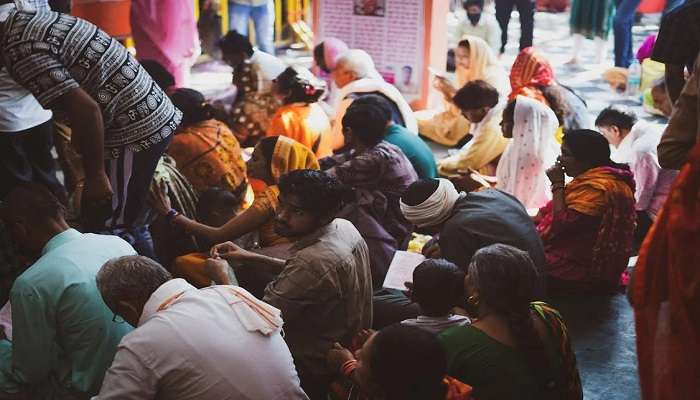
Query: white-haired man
[
  {"x": 356, "y": 76},
  {"x": 214, "y": 343}
]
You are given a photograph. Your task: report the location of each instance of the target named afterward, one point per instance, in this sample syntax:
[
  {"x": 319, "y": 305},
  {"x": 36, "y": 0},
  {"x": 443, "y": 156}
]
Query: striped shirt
[{"x": 51, "y": 54}]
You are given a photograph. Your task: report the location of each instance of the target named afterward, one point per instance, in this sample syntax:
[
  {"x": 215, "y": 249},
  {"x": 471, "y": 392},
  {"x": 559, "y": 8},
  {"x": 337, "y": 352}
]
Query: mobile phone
[{"x": 437, "y": 73}]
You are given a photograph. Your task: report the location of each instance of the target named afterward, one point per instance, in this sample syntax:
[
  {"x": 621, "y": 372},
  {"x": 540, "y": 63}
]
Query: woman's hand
[
  {"x": 556, "y": 173},
  {"x": 444, "y": 86},
  {"x": 337, "y": 356},
  {"x": 160, "y": 199}
]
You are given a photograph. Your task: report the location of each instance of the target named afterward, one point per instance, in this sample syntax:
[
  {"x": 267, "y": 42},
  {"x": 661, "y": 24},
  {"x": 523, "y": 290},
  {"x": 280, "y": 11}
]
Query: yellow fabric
[
  {"x": 449, "y": 127},
  {"x": 559, "y": 134},
  {"x": 290, "y": 155},
  {"x": 589, "y": 192},
  {"x": 308, "y": 124},
  {"x": 191, "y": 268},
  {"x": 651, "y": 71}
]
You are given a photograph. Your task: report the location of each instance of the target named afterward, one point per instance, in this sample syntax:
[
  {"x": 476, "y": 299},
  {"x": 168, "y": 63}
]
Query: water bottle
[{"x": 634, "y": 80}]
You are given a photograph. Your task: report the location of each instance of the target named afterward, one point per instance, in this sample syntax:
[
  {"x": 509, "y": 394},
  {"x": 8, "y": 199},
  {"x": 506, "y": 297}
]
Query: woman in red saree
[{"x": 587, "y": 228}]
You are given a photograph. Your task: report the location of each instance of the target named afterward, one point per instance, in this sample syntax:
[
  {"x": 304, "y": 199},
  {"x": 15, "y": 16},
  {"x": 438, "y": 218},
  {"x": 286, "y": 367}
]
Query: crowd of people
[{"x": 207, "y": 250}]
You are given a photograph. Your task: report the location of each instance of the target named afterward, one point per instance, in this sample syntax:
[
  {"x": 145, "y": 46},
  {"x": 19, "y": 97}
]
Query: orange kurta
[{"x": 308, "y": 124}]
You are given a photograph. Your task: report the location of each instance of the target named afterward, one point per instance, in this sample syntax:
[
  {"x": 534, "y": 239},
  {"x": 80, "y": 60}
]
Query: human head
[
  {"x": 235, "y": 48},
  {"x": 326, "y": 53},
  {"x": 615, "y": 123},
  {"x": 364, "y": 125},
  {"x": 32, "y": 215},
  {"x": 217, "y": 206},
  {"x": 160, "y": 75},
  {"x": 473, "y": 9},
  {"x": 378, "y": 102},
  {"x": 475, "y": 99},
  {"x": 403, "y": 362},
  {"x": 274, "y": 156},
  {"x": 530, "y": 69},
  {"x": 353, "y": 65},
  {"x": 437, "y": 287},
  {"x": 258, "y": 166},
  {"x": 428, "y": 203},
  {"x": 126, "y": 283},
  {"x": 508, "y": 120},
  {"x": 309, "y": 199},
  {"x": 582, "y": 150},
  {"x": 407, "y": 74},
  {"x": 193, "y": 105},
  {"x": 463, "y": 54},
  {"x": 298, "y": 85}
]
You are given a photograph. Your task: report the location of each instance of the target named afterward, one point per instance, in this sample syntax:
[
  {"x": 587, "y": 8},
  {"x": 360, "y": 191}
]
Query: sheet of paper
[{"x": 401, "y": 269}]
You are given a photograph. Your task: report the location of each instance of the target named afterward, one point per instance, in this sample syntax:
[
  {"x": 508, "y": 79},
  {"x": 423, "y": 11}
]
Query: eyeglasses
[{"x": 118, "y": 319}]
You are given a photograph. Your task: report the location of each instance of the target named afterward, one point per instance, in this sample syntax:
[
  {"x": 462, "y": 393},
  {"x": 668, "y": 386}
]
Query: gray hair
[
  {"x": 360, "y": 63},
  {"x": 130, "y": 278}
]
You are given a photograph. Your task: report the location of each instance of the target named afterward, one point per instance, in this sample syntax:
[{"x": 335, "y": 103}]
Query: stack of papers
[{"x": 401, "y": 269}]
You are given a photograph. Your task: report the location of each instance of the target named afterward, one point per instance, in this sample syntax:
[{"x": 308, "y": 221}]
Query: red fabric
[
  {"x": 553, "y": 5},
  {"x": 651, "y": 6},
  {"x": 530, "y": 70},
  {"x": 666, "y": 293}
]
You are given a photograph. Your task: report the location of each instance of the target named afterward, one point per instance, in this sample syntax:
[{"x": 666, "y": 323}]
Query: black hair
[
  {"x": 476, "y": 94},
  {"x": 616, "y": 116},
  {"x": 375, "y": 101},
  {"x": 557, "y": 101},
  {"x": 301, "y": 89},
  {"x": 160, "y": 75},
  {"x": 320, "y": 58},
  {"x": 193, "y": 106},
  {"x": 590, "y": 147},
  {"x": 408, "y": 67},
  {"x": 464, "y": 43},
  {"x": 510, "y": 109},
  {"x": 32, "y": 202},
  {"x": 468, "y": 3},
  {"x": 214, "y": 199},
  {"x": 321, "y": 194},
  {"x": 267, "y": 146},
  {"x": 368, "y": 123},
  {"x": 234, "y": 42},
  {"x": 419, "y": 191},
  {"x": 507, "y": 280},
  {"x": 407, "y": 363},
  {"x": 438, "y": 285}
]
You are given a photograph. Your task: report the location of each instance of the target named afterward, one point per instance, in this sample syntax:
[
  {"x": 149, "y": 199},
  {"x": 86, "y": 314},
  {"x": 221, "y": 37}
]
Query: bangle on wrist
[
  {"x": 171, "y": 215},
  {"x": 348, "y": 367}
]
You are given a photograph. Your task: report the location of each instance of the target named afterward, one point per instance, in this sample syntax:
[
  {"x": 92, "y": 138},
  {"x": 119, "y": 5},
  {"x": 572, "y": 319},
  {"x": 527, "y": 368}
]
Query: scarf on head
[
  {"x": 481, "y": 59},
  {"x": 435, "y": 209},
  {"x": 290, "y": 155},
  {"x": 530, "y": 72}
]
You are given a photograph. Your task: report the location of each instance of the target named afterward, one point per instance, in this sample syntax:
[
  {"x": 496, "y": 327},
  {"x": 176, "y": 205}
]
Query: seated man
[
  {"x": 480, "y": 24},
  {"x": 479, "y": 103},
  {"x": 325, "y": 288},
  {"x": 634, "y": 143},
  {"x": 466, "y": 222},
  {"x": 64, "y": 336},
  {"x": 416, "y": 150},
  {"x": 213, "y": 343}
]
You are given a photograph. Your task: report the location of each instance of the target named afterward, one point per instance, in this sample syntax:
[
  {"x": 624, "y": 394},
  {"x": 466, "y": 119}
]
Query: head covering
[
  {"x": 290, "y": 155},
  {"x": 332, "y": 50},
  {"x": 481, "y": 58},
  {"x": 646, "y": 49},
  {"x": 435, "y": 209},
  {"x": 533, "y": 149},
  {"x": 359, "y": 62},
  {"x": 588, "y": 146},
  {"x": 530, "y": 72}
]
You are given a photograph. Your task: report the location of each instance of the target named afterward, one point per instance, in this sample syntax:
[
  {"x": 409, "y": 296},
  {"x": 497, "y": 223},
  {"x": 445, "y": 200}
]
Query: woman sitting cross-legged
[
  {"x": 588, "y": 227},
  {"x": 397, "y": 363},
  {"x": 515, "y": 348},
  {"x": 301, "y": 117},
  {"x": 272, "y": 158}
]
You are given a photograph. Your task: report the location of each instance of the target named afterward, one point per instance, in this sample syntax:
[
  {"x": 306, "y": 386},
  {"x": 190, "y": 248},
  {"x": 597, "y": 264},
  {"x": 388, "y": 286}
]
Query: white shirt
[
  {"x": 196, "y": 347},
  {"x": 487, "y": 28},
  {"x": 19, "y": 110},
  {"x": 269, "y": 66},
  {"x": 638, "y": 149}
]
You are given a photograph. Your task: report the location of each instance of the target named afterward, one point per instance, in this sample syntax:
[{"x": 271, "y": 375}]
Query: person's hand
[
  {"x": 216, "y": 269},
  {"x": 556, "y": 173},
  {"x": 444, "y": 86},
  {"x": 160, "y": 199},
  {"x": 229, "y": 251},
  {"x": 337, "y": 356},
  {"x": 97, "y": 188},
  {"x": 432, "y": 249},
  {"x": 362, "y": 337}
]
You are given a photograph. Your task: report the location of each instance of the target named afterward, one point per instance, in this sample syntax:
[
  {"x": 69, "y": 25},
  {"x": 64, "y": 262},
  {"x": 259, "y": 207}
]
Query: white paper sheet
[{"x": 401, "y": 269}]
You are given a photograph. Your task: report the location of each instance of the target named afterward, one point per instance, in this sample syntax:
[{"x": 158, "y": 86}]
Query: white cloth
[
  {"x": 19, "y": 110},
  {"x": 269, "y": 66},
  {"x": 533, "y": 149},
  {"x": 6, "y": 320},
  {"x": 435, "y": 209},
  {"x": 191, "y": 344},
  {"x": 638, "y": 149},
  {"x": 487, "y": 28}
]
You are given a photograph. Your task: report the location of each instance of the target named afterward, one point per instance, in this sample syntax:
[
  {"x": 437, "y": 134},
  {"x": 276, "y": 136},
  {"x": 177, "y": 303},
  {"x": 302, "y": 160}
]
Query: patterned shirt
[{"x": 51, "y": 53}]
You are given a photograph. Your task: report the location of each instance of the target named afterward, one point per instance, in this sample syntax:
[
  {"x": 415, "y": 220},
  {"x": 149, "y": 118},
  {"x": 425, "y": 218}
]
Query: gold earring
[{"x": 473, "y": 301}]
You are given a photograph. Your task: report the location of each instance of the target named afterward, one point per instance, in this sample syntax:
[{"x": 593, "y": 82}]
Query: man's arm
[
  {"x": 85, "y": 118},
  {"x": 675, "y": 79}
]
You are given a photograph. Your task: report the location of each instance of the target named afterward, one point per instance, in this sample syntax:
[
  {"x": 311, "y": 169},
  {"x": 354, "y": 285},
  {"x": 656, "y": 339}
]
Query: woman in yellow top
[
  {"x": 301, "y": 116},
  {"x": 272, "y": 158},
  {"x": 474, "y": 60}
]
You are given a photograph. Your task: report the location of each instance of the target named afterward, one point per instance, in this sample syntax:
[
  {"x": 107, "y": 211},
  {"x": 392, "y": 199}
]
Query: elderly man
[
  {"x": 121, "y": 120},
  {"x": 356, "y": 77},
  {"x": 466, "y": 222},
  {"x": 64, "y": 336},
  {"x": 325, "y": 289},
  {"x": 214, "y": 343}
]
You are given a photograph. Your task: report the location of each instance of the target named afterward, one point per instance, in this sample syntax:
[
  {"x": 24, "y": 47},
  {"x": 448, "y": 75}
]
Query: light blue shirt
[{"x": 63, "y": 335}]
